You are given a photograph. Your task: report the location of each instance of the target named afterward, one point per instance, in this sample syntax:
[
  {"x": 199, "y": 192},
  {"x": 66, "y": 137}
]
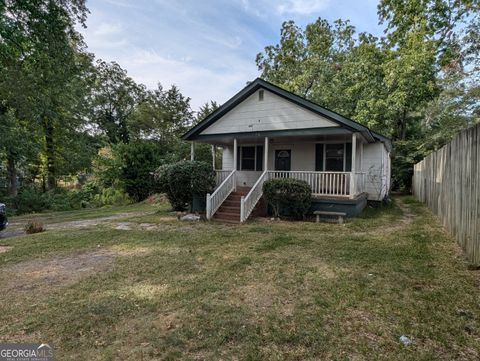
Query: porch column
[
  {"x": 265, "y": 156},
  {"x": 192, "y": 151},
  {"x": 361, "y": 157},
  {"x": 235, "y": 155},
  {"x": 354, "y": 152},
  {"x": 354, "y": 160},
  {"x": 213, "y": 156}
]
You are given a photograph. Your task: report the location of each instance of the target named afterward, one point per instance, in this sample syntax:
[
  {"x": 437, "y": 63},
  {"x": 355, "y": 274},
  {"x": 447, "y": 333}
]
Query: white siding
[
  {"x": 227, "y": 158},
  {"x": 376, "y": 165},
  {"x": 247, "y": 178},
  {"x": 303, "y": 155},
  {"x": 272, "y": 113}
]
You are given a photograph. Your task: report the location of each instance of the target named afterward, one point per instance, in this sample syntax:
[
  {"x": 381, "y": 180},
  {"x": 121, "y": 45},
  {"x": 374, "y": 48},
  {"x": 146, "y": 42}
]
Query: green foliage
[
  {"x": 44, "y": 74},
  {"x": 126, "y": 168},
  {"x": 287, "y": 196},
  {"x": 138, "y": 164},
  {"x": 418, "y": 86},
  {"x": 115, "y": 97},
  {"x": 28, "y": 200},
  {"x": 163, "y": 116},
  {"x": 32, "y": 199},
  {"x": 183, "y": 180},
  {"x": 205, "y": 110},
  {"x": 107, "y": 169},
  {"x": 110, "y": 197}
]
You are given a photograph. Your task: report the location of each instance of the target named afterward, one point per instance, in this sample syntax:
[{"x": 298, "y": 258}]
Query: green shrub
[
  {"x": 111, "y": 197},
  {"x": 60, "y": 200},
  {"x": 28, "y": 200},
  {"x": 139, "y": 162},
  {"x": 288, "y": 197},
  {"x": 83, "y": 197},
  {"x": 184, "y": 180}
]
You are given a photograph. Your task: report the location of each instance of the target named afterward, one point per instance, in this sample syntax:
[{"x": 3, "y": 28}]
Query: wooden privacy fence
[{"x": 448, "y": 181}]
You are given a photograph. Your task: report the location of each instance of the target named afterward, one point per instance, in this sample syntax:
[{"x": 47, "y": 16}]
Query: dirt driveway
[{"x": 17, "y": 228}]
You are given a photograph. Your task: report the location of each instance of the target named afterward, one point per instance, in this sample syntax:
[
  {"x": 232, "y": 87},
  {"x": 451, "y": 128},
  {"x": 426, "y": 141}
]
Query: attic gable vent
[{"x": 260, "y": 95}]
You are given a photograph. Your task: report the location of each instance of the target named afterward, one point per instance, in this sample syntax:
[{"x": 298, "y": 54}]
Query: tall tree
[
  {"x": 205, "y": 110},
  {"x": 410, "y": 82},
  {"x": 115, "y": 98},
  {"x": 311, "y": 62},
  {"x": 451, "y": 31},
  {"x": 163, "y": 116},
  {"x": 40, "y": 41},
  {"x": 18, "y": 145},
  {"x": 381, "y": 85}
]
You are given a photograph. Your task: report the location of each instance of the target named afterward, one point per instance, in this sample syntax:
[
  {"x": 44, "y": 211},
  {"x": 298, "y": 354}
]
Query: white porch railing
[
  {"x": 220, "y": 176},
  {"x": 333, "y": 184},
  {"x": 215, "y": 200},
  {"x": 248, "y": 202},
  {"x": 322, "y": 183}
]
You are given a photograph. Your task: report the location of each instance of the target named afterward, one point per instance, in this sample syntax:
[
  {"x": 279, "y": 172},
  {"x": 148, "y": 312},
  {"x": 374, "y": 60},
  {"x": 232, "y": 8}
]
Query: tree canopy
[{"x": 418, "y": 84}]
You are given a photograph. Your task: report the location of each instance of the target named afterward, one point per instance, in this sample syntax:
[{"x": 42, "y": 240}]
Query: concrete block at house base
[{"x": 190, "y": 217}]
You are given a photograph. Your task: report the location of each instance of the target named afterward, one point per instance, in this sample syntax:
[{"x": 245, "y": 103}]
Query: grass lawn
[{"x": 144, "y": 286}]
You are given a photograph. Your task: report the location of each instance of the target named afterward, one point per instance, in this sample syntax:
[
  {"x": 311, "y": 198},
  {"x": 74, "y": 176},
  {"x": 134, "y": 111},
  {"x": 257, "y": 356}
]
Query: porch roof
[
  {"x": 294, "y": 135},
  {"x": 347, "y": 126}
]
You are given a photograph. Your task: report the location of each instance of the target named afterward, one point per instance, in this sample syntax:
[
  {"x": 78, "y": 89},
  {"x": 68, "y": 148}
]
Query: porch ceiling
[{"x": 320, "y": 134}]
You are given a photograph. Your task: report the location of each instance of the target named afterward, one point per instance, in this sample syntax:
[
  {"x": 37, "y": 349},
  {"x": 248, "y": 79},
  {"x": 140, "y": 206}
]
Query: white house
[{"x": 267, "y": 132}]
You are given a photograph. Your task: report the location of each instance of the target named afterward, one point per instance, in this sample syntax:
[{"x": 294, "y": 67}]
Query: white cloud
[
  {"x": 107, "y": 29},
  {"x": 206, "y": 48},
  {"x": 123, "y": 3},
  {"x": 196, "y": 81},
  {"x": 197, "y": 49},
  {"x": 265, "y": 8},
  {"x": 302, "y": 7}
]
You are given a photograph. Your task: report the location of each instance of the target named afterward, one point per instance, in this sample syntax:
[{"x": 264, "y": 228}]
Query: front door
[{"x": 282, "y": 159}]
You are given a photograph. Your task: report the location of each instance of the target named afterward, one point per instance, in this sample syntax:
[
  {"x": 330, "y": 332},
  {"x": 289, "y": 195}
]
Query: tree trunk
[
  {"x": 50, "y": 153},
  {"x": 402, "y": 126},
  {"x": 12, "y": 176}
]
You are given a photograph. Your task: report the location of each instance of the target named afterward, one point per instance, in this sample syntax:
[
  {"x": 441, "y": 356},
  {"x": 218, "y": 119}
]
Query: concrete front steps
[{"x": 229, "y": 211}]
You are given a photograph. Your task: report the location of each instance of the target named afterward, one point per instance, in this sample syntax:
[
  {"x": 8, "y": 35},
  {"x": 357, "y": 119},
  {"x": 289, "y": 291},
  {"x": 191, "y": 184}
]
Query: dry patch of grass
[
  {"x": 4, "y": 249},
  {"x": 48, "y": 273}
]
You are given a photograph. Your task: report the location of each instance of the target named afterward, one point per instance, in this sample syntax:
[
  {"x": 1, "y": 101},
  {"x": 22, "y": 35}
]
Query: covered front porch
[{"x": 330, "y": 163}]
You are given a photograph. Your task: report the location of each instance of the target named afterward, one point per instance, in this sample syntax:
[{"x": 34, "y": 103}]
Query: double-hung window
[
  {"x": 250, "y": 157},
  {"x": 333, "y": 157}
]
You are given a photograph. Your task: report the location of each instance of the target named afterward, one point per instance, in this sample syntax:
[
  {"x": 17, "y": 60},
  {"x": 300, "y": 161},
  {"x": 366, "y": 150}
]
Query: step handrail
[
  {"x": 248, "y": 203},
  {"x": 215, "y": 200}
]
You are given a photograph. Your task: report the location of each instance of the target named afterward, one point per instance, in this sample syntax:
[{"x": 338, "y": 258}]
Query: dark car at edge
[{"x": 3, "y": 217}]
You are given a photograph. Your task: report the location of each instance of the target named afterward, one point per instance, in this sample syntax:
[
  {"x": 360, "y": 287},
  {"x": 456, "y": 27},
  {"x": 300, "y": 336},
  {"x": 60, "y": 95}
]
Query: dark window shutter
[
  {"x": 319, "y": 157},
  {"x": 238, "y": 158},
  {"x": 348, "y": 157},
  {"x": 259, "y": 165}
]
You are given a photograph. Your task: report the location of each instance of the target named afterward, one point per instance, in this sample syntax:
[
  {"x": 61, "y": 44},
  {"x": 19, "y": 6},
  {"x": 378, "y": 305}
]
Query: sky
[{"x": 205, "y": 47}]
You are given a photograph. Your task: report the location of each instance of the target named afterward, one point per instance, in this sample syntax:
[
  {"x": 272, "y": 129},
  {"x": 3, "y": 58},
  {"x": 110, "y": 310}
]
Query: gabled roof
[{"x": 258, "y": 83}]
